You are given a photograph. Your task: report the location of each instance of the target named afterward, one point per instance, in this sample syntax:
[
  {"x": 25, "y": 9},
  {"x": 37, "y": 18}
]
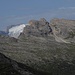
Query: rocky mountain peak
[{"x": 37, "y": 28}]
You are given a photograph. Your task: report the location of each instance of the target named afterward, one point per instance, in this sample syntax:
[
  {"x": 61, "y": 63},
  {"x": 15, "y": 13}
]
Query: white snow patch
[{"x": 16, "y": 30}]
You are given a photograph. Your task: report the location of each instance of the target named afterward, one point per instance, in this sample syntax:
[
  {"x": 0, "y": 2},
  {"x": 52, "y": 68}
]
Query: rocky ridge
[
  {"x": 38, "y": 28},
  {"x": 64, "y": 30}
]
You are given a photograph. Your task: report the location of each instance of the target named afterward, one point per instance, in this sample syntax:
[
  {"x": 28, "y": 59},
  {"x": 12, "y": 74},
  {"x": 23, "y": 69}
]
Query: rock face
[
  {"x": 63, "y": 30},
  {"x": 38, "y": 28}
]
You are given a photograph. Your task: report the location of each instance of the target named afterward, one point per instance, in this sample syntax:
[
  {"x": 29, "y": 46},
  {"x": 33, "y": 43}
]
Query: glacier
[{"x": 15, "y": 31}]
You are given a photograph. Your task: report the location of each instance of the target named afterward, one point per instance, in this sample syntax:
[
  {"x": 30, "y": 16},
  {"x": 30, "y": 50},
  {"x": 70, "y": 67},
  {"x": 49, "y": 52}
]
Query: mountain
[{"x": 46, "y": 48}]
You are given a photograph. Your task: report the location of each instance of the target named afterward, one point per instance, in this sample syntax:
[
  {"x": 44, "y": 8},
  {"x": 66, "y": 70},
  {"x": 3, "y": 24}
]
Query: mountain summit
[{"x": 39, "y": 28}]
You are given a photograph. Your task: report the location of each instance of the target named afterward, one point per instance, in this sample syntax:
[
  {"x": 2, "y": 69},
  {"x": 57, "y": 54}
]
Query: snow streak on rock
[{"x": 16, "y": 30}]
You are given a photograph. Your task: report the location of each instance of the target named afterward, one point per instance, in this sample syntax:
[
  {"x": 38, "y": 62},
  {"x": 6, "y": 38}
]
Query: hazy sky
[{"x": 21, "y": 11}]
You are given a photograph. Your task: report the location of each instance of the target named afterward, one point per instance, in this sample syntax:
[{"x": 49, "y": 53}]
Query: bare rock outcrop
[
  {"x": 63, "y": 30},
  {"x": 38, "y": 28}
]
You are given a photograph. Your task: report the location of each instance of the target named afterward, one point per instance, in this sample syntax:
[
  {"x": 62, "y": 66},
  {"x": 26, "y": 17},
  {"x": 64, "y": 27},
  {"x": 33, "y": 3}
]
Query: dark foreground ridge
[
  {"x": 11, "y": 67},
  {"x": 42, "y": 49}
]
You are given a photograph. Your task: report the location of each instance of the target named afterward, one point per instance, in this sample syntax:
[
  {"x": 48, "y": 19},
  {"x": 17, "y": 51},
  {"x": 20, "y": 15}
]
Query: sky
[{"x": 14, "y": 12}]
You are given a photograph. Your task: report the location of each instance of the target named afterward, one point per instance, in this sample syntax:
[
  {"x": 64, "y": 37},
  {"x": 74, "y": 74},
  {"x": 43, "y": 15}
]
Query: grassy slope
[{"x": 43, "y": 54}]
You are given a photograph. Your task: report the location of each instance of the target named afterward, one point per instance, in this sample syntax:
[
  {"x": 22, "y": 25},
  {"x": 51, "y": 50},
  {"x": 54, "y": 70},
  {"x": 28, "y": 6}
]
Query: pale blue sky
[{"x": 21, "y": 11}]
